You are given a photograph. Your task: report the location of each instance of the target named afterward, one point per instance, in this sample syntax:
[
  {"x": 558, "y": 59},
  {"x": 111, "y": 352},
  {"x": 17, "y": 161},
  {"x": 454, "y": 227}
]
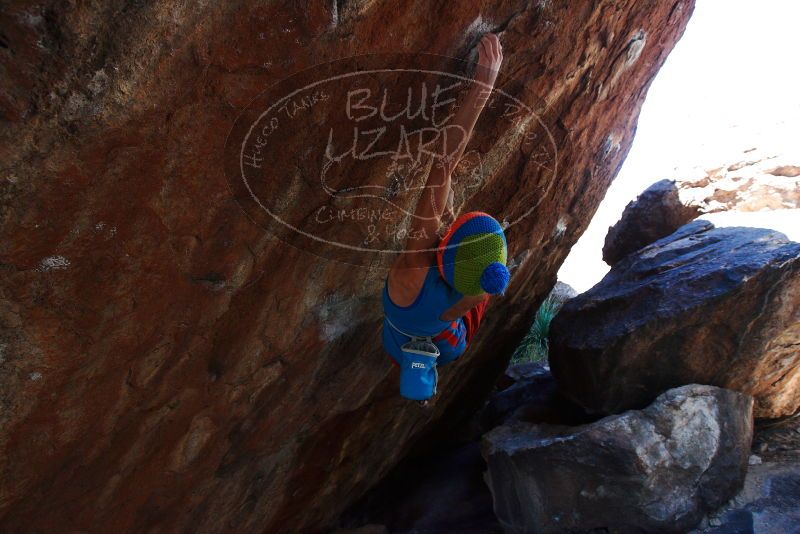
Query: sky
[{"x": 731, "y": 83}]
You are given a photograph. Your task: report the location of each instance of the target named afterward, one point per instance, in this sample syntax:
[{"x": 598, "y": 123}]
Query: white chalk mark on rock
[{"x": 53, "y": 263}]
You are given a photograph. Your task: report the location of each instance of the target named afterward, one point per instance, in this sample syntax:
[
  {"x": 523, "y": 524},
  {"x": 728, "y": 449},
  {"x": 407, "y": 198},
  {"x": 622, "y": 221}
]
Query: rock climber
[{"x": 437, "y": 290}]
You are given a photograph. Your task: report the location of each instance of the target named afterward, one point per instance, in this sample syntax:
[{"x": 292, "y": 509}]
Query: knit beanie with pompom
[{"x": 472, "y": 255}]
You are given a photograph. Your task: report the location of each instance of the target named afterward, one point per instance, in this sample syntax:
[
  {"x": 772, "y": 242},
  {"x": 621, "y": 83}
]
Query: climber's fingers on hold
[
  {"x": 492, "y": 43},
  {"x": 490, "y": 53},
  {"x": 482, "y": 51},
  {"x": 486, "y": 46}
]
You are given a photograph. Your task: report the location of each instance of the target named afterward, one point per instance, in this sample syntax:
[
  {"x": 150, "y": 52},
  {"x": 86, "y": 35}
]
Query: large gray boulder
[
  {"x": 706, "y": 305},
  {"x": 660, "y": 469}
]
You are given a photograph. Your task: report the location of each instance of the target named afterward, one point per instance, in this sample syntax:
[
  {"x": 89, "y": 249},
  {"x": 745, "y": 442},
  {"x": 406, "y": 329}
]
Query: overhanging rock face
[{"x": 166, "y": 363}]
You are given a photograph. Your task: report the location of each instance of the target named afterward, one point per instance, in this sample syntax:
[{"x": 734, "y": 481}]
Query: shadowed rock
[
  {"x": 655, "y": 470},
  {"x": 441, "y": 492},
  {"x": 444, "y": 490},
  {"x": 769, "y": 501},
  {"x": 529, "y": 393},
  {"x": 704, "y": 305},
  {"x": 656, "y": 213}
]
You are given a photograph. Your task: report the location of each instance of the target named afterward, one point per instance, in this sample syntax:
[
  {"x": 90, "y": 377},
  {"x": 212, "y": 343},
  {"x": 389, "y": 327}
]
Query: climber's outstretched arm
[{"x": 433, "y": 201}]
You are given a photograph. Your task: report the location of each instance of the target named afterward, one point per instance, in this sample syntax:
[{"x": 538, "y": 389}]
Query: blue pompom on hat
[{"x": 494, "y": 278}]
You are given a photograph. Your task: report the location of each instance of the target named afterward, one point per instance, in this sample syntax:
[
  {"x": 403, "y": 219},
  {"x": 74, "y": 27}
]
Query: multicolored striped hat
[{"x": 472, "y": 255}]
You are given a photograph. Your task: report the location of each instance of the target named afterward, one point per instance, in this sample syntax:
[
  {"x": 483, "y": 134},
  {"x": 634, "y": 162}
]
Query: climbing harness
[{"x": 418, "y": 344}]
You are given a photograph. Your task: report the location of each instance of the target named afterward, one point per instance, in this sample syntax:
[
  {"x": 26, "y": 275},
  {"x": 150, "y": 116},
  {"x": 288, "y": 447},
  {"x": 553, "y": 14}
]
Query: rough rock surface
[
  {"x": 440, "y": 492},
  {"x": 757, "y": 183},
  {"x": 769, "y": 501},
  {"x": 166, "y": 364},
  {"x": 562, "y": 292},
  {"x": 444, "y": 490},
  {"x": 655, "y": 470},
  {"x": 529, "y": 393},
  {"x": 705, "y": 305}
]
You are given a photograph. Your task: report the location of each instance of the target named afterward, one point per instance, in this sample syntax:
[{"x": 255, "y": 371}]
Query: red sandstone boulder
[{"x": 167, "y": 364}]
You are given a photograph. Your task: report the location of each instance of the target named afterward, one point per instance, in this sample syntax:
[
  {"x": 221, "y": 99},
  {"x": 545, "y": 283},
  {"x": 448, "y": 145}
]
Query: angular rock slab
[
  {"x": 707, "y": 305},
  {"x": 655, "y": 470}
]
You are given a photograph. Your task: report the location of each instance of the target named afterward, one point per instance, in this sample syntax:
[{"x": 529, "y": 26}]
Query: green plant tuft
[{"x": 534, "y": 345}]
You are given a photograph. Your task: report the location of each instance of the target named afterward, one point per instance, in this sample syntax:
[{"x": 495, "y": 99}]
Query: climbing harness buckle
[{"x": 423, "y": 345}]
